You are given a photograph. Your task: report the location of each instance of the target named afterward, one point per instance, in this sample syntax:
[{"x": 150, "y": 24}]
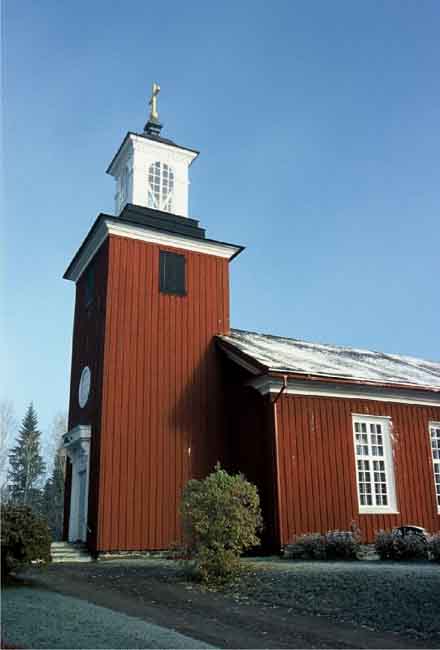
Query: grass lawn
[{"x": 276, "y": 603}]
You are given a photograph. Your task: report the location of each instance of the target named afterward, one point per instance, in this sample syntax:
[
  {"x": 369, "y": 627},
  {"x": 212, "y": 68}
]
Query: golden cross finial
[{"x": 154, "y": 115}]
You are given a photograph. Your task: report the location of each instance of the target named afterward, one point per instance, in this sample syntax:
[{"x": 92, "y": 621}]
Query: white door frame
[{"x": 77, "y": 446}]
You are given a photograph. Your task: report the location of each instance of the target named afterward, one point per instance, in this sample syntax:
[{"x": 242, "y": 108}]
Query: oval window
[{"x": 84, "y": 386}]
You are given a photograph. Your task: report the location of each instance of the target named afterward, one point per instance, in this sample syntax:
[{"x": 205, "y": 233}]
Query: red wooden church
[{"x": 162, "y": 388}]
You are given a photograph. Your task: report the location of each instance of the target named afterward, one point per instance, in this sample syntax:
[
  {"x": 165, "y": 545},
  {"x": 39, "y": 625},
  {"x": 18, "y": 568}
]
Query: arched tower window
[{"x": 160, "y": 187}]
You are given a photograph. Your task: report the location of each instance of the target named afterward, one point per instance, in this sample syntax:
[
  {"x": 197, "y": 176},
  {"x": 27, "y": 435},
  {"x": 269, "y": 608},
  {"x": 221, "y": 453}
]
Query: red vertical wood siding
[
  {"x": 165, "y": 405},
  {"x": 251, "y": 444},
  {"x": 88, "y": 350},
  {"x": 318, "y": 471},
  {"x": 162, "y": 403}
]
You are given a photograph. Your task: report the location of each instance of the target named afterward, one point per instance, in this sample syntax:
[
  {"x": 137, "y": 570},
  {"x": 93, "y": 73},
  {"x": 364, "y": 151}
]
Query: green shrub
[
  {"x": 24, "y": 537},
  {"x": 221, "y": 517},
  {"x": 334, "y": 545},
  {"x": 434, "y": 547},
  {"x": 395, "y": 545}
]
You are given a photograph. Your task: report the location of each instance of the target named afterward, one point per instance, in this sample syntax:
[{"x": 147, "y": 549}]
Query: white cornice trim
[
  {"x": 266, "y": 384},
  {"x": 149, "y": 235},
  {"x": 138, "y": 142},
  {"x": 174, "y": 240},
  {"x": 151, "y": 145}
]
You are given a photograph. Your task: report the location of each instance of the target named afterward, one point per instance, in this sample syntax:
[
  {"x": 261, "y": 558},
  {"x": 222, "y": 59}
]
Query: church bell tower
[
  {"x": 146, "y": 395},
  {"x": 152, "y": 171}
]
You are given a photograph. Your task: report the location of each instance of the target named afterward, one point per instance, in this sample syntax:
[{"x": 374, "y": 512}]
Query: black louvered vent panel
[{"x": 172, "y": 273}]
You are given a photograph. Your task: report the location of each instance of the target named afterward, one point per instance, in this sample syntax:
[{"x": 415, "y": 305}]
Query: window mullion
[{"x": 369, "y": 459}]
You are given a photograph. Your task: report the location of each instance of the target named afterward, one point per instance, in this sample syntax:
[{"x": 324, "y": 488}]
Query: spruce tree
[
  {"x": 54, "y": 497},
  {"x": 26, "y": 463}
]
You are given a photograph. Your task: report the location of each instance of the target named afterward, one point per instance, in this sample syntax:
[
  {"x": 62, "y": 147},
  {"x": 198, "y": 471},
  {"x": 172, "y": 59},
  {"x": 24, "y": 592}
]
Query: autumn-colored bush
[
  {"x": 24, "y": 537},
  {"x": 221, "y": 518}
]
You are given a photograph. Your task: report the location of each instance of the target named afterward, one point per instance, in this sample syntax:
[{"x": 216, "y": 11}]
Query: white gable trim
[
  {"x": 142, "y": 233},
  {"x": 267, "y": 384}
]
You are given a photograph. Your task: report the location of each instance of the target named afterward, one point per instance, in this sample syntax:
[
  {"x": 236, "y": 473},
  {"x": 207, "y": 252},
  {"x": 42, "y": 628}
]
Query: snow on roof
[{"x": 279, "y": 354}]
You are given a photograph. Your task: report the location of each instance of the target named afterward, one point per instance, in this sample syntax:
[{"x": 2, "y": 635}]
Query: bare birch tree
[{"x": 8, "y": 426}]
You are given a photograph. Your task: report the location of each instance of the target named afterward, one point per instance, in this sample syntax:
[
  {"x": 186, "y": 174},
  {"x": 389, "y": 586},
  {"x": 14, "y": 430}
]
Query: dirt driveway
[{"x": 277, "y": 604}]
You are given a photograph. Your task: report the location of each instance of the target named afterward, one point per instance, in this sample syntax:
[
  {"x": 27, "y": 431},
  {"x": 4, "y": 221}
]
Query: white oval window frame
[{"x": 84, "y": 386}]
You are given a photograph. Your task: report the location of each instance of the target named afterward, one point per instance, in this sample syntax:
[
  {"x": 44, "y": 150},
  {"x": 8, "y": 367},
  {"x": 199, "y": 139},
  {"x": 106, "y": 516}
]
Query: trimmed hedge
[{"x": 24, "y": 537}]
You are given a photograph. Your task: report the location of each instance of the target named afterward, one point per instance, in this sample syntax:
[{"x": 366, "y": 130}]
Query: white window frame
[
  {"x": 161, "y": 184},
  {"x": 435, "y": 456},
  {"x": 386, "y": 457}
]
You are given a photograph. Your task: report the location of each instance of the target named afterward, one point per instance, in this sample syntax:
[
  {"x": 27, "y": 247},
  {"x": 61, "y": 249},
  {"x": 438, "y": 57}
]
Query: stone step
[
  {"x": 61, "y": 558},
  {"x": 67, "y": 552},
  {"x": 67, "y": 545},
  {"x": 71, "y": 558}
]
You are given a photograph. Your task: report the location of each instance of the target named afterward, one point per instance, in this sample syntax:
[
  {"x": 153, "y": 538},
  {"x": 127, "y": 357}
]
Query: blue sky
[{"x": 318, "y": 125}]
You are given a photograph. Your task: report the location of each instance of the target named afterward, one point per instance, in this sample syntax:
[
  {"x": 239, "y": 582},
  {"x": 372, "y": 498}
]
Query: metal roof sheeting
[{"x": 279, "y": 354}]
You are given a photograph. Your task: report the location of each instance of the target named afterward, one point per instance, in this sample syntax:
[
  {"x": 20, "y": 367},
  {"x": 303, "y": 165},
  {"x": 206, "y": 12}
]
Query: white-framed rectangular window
[
  {"x": 434, "y": 434},
  {"x": 374, "y": 464}
]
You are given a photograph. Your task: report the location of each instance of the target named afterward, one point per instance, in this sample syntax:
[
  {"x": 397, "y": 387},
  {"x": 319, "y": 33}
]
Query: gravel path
[{"x": 34, "y": 618}]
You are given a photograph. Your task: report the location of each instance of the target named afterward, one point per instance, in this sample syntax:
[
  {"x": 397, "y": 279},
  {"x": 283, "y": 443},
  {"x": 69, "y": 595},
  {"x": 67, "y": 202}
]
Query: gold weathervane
[{"x": 154, "y": 115}]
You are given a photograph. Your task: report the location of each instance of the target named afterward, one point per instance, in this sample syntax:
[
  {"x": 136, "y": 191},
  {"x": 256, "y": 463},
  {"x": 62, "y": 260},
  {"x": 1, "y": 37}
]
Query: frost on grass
[{"x": 400, "y": 598}]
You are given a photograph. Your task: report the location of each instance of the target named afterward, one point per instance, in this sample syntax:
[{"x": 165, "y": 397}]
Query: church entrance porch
[{"x": 77, "y": 446}]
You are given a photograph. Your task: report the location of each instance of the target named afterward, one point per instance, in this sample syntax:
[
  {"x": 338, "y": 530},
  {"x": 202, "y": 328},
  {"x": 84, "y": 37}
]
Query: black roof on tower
[{"x": 151, "y": 219}]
